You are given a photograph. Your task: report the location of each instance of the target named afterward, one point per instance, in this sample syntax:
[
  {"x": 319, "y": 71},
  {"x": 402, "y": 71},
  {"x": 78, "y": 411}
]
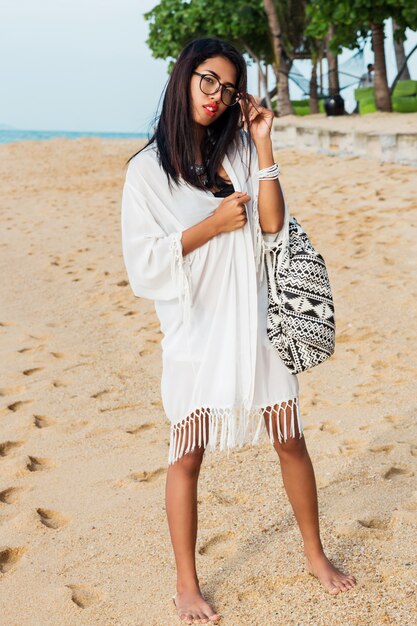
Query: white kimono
[{"x": 219, "y": 367}]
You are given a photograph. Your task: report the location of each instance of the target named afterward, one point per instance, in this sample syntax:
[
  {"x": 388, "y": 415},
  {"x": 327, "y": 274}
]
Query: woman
[{"x": 201, "y": 204}]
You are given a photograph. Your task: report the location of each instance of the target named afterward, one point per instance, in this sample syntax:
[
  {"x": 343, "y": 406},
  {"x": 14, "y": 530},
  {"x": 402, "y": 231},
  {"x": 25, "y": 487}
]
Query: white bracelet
[{"x": 269, "y": 173}]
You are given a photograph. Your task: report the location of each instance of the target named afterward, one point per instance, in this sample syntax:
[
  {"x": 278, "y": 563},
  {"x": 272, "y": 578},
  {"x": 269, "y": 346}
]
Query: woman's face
[{"x": 208, "y": 108}]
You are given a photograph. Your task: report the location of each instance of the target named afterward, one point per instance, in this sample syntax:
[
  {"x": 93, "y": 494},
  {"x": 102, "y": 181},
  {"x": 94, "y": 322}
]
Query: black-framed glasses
[{"x": 210, "y": 85}]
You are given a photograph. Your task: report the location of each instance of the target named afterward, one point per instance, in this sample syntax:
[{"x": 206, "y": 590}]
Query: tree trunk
[
  {"x": 284, "y": 106},
  {"x": 314, "y": 103},
  {"x": 382, "y": 95},
  {"x": 334, "y": 87},
  {"x": 400, "y": 54},
  {"x": 275, "y": 30}
]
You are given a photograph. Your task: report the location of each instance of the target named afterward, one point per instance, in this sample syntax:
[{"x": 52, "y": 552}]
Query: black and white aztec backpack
[{"x": 301, "y": 322}]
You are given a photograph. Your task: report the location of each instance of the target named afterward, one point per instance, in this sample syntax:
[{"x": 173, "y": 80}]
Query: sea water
[{"x": 11, "y": 135}]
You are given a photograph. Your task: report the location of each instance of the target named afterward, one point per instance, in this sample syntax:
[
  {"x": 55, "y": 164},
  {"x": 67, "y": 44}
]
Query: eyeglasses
[{"x": 210, "y": 85}]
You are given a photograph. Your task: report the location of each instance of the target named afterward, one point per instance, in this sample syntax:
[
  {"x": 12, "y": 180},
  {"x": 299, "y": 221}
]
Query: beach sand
[{"x": 84, "y": 441}]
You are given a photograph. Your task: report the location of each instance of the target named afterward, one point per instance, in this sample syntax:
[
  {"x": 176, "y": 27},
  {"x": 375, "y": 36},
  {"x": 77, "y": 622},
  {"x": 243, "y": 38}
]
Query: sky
[{"x": 83, "y": 65}]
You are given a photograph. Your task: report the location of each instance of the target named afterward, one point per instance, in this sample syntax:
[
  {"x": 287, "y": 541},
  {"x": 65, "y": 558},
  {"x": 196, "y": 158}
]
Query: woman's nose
[{"x": 216, "y": 96}]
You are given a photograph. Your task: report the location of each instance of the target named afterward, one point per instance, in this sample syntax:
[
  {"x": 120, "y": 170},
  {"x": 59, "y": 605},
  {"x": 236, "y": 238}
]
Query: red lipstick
[{"x": 210, "y": 109}]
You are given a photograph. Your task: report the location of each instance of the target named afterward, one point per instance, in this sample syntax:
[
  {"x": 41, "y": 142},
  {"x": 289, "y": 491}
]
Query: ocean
[{"x": 11, "y": 136}]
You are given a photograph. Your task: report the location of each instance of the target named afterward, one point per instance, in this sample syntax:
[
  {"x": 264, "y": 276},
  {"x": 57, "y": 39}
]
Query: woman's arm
[
  {"x": 229, "y": 215},
  {"x": 199, "y": 234},
  {"x": 270, "y": 199},
  {"x": 271, "y": 204}
]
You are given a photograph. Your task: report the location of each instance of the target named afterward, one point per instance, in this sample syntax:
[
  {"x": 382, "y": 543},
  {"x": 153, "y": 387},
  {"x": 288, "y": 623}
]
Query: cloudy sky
[{"x": 84, "y": 65}]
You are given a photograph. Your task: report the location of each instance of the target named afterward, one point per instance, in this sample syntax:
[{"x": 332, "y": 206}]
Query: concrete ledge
[{"x": 344, "y": 136}]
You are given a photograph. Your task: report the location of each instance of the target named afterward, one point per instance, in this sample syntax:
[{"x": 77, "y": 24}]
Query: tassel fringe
[
  {"x": 181, "y": 274},
  {"x": 218, "y": 428},
  {"x": 258, "y": 241}
]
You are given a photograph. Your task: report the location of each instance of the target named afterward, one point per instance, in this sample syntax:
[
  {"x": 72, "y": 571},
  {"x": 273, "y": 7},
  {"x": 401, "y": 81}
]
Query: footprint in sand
[
  {"x": 227, "y": 499},
  {"x": 102, "y": 393},
  {"x": 38, "y": 464},
  {"x": 59, "y": 383},
  {"x": 393, "y": 419},
  {"x": 134, "y": 430},
  {"x": 147, "y": 477},
  {"x": 121, "y": 407},
  {"x": 31, "y": 349},
  {"x": 58, "y": 355},
  {"x": 52, "y": 519},
  {"x": 42, "y": 421},
  {"x": 32, "y": 370},
  {"x": 145, "y": 352},
  {"x": 39, "y": 338},
  {"x": 395, "y": 472},
  {"x": 375, "y": 522},
  {"x": 9, "y": 557},
  {"x": 9, "y": 391},
  {"x": 84, "y": 596},
  {"x": 329, "y": 427},
  {"x": 16, "y": 406},
  {"x": 10, "y": 495},
  {"x": 352, "y": 446},
  {"x": 220, "y": 545},
  {"x": 385, "y": 448},
  {"x": 6, "y": 447}
]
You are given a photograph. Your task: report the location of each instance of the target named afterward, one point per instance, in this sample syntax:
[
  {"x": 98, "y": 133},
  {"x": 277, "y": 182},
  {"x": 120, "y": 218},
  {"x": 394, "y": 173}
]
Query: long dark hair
[{"x": 174, "y": 134}]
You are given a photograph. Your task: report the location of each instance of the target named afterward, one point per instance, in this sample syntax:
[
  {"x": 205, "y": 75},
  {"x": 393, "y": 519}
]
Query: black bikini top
[{"x": 225, "y": 191}]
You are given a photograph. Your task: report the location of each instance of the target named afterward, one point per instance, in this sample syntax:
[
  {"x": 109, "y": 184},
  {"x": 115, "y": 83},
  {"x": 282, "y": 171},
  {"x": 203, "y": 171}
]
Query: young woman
[{"x": 201, "y": 204}]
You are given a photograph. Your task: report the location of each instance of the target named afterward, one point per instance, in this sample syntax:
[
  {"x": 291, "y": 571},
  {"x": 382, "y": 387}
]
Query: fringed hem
[
  {"x": 180, "y": 273},
  {"x": 237, "y": 427}
]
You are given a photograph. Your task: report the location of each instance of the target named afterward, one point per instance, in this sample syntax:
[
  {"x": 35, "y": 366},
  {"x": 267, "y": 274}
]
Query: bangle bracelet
[{"x": 269, "y": 173}]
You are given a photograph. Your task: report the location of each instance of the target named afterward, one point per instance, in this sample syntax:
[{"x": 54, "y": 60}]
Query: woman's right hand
[{"x": 231, "y": 212}]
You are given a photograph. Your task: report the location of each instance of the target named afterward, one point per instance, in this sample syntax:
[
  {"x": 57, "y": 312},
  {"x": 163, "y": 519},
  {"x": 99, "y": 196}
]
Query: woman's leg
[
  {"x": 300, "y": 485},
  {"x": 181, "y": 507}
]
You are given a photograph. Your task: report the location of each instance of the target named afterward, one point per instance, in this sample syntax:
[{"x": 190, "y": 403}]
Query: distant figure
[{"x": 367, "y": 79}]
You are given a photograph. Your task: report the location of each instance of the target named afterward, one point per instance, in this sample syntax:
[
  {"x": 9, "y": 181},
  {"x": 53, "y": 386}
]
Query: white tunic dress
[{"x": 220, "y": 373}]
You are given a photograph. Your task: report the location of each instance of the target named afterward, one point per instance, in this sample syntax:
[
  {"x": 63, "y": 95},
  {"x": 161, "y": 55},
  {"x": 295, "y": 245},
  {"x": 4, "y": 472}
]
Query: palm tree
[
  {"x": 284, "y": 106},
  {"x": 399, "y": 51},
  {"x": 381, "y": 89},
  {"x": 286, "y": 20},
  {"x": 334, "y": 87}
]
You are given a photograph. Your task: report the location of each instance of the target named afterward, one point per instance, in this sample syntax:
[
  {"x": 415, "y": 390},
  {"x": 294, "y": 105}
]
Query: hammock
[{"x": 350, "y": 72}]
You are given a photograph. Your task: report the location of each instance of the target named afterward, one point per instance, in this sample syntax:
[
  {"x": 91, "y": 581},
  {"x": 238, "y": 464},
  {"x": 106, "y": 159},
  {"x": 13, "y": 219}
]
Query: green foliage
[
  {"x": 173, "y": 23},
  {"x": 353, "y": 18},
  {"x": 292, "y": 18}
]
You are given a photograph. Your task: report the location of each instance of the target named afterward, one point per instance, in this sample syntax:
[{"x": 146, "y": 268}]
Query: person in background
[{"x": 367, "y": 79}]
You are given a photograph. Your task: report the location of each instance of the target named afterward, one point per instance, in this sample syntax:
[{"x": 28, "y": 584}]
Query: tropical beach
[
  {"x": 132, "y": 312},
  {"x": 84, "y": 439}
]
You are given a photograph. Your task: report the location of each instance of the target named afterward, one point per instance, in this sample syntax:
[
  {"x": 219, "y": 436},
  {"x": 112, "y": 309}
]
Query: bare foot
[
  {"x": 330, "y": 577},
  {"x": 193, "y": 609}
]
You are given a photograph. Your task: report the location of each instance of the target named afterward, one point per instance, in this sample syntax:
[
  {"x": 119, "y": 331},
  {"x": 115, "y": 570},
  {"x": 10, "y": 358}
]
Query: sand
[{"x": 84, "y": 440}]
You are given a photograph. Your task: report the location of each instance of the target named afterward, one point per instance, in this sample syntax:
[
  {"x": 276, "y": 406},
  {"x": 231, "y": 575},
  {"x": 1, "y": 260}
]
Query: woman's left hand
[{"x": 260, "y": 119}]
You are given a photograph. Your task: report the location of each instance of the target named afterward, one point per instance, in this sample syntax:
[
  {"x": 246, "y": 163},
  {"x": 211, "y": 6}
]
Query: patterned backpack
[{"x": 301, "y": 323}]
